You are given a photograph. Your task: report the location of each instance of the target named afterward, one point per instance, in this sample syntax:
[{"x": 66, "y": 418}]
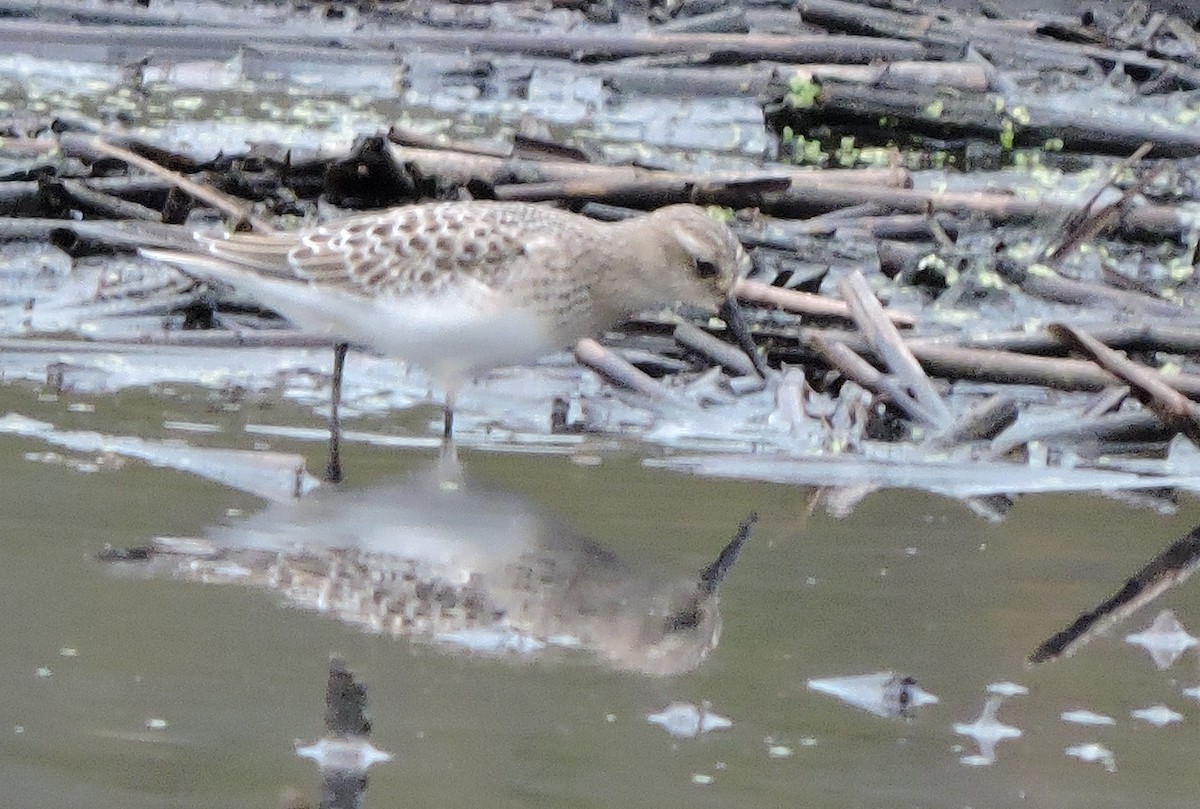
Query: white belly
[{"x": 450, "y": 337}]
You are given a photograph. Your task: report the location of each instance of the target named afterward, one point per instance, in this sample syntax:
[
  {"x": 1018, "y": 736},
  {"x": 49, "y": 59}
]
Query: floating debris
[
  {"x": 43, "y": 672},
  {"x": 272, "y": 475},
  {"x": 1085, "y": 717},
  {"x": 987, "y": 731},
  {"x": 1165, "y": 639},
  {"x": 1157, "y": 715},
  {"x": 1193, "y": 692},
  {"x": 1093, "y": 752},
  {"x": 884, "y": 693},
  {"x": 345, "y": 753},
  {"x": 683, "y": 720},
  {"x": 1007, "y": 689},
  {"x": 67, "y": 651},
  {"x": 191, "y": 427}
]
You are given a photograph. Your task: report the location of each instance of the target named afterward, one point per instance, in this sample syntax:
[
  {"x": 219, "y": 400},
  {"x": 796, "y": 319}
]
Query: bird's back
[{"x": 416, "y": 250}]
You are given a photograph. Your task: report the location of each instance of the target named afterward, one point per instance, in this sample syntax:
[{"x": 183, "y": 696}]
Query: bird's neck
[{"x": 638, "y": 274}]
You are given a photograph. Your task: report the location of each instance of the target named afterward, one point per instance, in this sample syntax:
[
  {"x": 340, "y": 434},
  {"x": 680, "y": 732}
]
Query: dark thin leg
[
  {"x": 333, "y": 470},
  {"x": 449, "y": 453},
  {"x": 448, "y": 420}
]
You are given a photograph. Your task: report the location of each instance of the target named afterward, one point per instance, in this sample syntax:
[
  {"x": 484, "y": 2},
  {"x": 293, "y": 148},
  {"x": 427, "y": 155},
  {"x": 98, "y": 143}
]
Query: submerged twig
[
  {"x": 1088, "y": 222},
  {"x": 1171, "y": 567}
]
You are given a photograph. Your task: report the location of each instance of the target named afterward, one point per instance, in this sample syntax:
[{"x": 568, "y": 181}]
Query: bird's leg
[
  {"x": 448, "y": 452},
  {"x": 448, "y": 419},
  {"x": 333, "y": 469}
]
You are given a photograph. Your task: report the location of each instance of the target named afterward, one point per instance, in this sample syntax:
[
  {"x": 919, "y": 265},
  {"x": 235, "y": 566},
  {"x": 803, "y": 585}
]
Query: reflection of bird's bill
[
  {"x": 731, "y": 313},
  {"x": 712, "y": 576}
]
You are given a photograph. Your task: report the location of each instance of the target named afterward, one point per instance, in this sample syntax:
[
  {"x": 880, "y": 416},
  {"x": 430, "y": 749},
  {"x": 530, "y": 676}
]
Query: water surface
[{"x": 909, "y": 582}]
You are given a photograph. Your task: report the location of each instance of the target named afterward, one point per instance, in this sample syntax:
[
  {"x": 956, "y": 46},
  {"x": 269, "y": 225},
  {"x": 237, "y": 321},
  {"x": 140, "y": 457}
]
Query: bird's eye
[
  {"x": 706, "y": 269},
  {"x": 685, "y": 619}
]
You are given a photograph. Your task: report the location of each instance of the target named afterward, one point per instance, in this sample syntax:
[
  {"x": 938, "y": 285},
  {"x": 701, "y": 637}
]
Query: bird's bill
[{"x": 731, "y": 313}]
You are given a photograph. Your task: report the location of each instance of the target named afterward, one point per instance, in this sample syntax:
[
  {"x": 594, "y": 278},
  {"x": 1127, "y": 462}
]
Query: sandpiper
[{"x": 459, "y": 287}]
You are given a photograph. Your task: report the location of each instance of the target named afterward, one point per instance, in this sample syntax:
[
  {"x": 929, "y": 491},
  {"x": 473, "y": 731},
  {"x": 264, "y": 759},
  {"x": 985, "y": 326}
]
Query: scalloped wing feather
[{"x": 422, "y": 249}]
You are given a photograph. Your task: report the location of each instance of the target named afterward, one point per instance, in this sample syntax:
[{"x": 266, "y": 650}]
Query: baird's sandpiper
[{"x": 458, "y": 287}]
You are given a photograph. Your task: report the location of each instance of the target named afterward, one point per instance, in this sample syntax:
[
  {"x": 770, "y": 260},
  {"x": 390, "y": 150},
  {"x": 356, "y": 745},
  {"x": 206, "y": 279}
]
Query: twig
[
  {"x": 1053, "y": 287},
  {"x": 1075, "y": 428},
  {"x": 984, "y": 420},
  {"x": 106, "y": 204},
  {"x": 806, "y": 303},
  {"x": 975, "y": 364},
  {"x": 649, "y": 192},
  {"x": 715, "y": 349},
  {"x": 130, "y": 234},
  {"x": 611, "y": 365},
  {"x": 1149, "y": 386},
  {"x": 460, "y": 167},
  {"x": 842, "y": 357},
  {"x": 966, "y": 76},
  {"x": 1134, "y": 337},
  {"x": 209, "y": 196},
  {"x": 872, "y": 321},
  {"x": 1108, "y": 400},
  {"x": 223, "y": 41},
  {"x": 798, "y": 202}
]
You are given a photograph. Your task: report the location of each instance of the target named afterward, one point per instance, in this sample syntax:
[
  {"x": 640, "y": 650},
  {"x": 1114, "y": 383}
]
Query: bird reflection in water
[{"x": 435, "y": 557}]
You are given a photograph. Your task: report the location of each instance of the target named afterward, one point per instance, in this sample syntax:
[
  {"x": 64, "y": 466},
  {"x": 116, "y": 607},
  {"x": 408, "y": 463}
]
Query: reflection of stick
[
  {"x": 1169, "y": 568},
  {"x": 345, "y": 753}
]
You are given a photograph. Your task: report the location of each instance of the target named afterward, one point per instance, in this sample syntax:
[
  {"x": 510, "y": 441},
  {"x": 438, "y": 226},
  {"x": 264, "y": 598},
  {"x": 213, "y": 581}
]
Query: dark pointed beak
[
  {"x": 731, "y": 313},
  {"x": 712, "y": 576}
]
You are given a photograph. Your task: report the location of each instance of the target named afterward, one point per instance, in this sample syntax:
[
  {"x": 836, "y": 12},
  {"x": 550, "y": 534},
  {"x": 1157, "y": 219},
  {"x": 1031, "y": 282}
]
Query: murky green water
[{"x": 909, "y": 582}]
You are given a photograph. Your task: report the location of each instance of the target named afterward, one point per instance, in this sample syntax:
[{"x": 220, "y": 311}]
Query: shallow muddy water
[{"x": 125, "y": 691}]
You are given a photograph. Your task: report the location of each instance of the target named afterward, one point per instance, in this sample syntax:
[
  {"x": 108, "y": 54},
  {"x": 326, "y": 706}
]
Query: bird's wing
[{"x": 420, "y": 249}]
